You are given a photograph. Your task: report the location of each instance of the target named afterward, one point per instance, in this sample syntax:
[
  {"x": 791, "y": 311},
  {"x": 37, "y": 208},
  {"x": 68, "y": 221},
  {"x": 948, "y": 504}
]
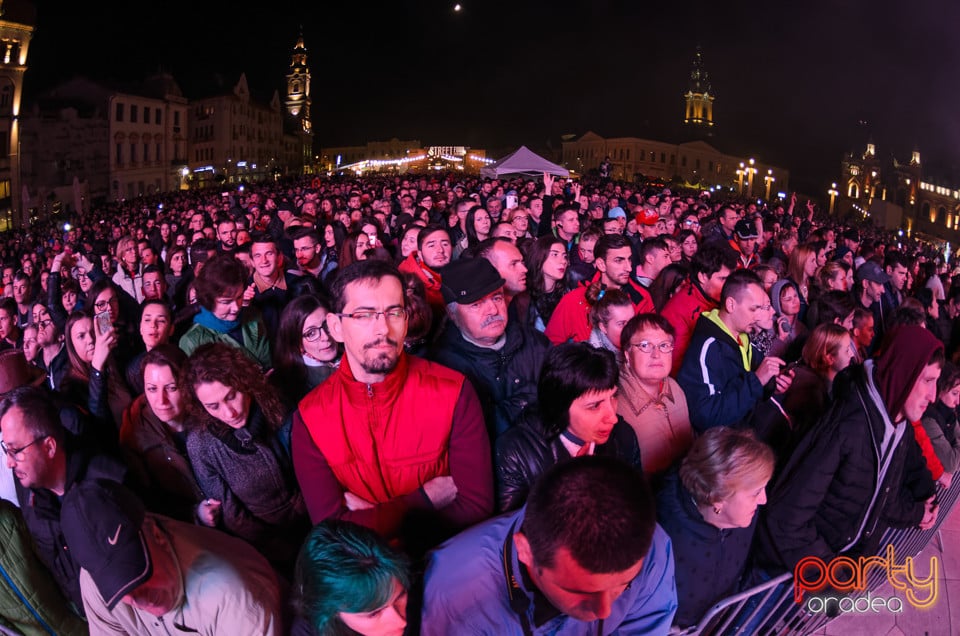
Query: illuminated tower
[
  {"x": 17, "y": 19},
  {"x": 699, "y": 95},
  {"x": 298, "y": 87}
]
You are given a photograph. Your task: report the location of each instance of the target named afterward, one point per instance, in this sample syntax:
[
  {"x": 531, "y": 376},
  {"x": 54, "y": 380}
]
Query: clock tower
[
  {"x": 699, "y": 96},
  {"x": 298, "y": 87}
]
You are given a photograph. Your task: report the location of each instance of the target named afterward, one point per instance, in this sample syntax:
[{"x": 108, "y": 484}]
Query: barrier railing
[{"x": 769, "y": 609}]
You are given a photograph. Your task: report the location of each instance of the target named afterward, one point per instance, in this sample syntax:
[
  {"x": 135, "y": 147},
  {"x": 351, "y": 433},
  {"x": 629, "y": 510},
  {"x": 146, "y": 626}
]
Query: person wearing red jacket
[
  {"x": 390, "y": 441},
  {"x": 570, "y": 321},
  {"x": 434, "y": 250},
  {"x": 709, "y": 269}
]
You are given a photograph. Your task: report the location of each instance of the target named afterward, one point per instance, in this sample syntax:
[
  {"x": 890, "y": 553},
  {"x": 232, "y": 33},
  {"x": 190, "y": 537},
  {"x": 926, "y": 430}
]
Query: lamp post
[
  {"x": 750, "y": 172},
  {"x": 769, "y": 179},
  {"x": 833, "y": 196},
  {"x": 740, "y": 173}
]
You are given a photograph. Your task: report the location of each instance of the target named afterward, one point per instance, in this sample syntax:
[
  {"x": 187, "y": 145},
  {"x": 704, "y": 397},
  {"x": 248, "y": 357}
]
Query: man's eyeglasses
[
  {"x": 16, "y": 454},
  {"x": 43, "y": 324},
  {"x": 392, "y": 315},
  {"x": 645, "y": 346}
]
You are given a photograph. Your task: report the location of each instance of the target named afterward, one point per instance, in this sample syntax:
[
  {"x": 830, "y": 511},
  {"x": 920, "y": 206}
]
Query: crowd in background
[{"x": 289, "y": 407}]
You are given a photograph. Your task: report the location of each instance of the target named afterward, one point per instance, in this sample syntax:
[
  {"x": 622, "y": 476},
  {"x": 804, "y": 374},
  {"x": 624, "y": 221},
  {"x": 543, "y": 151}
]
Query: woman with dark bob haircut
[
  {"x": 233, "y": 416},
  {"x": 348, "y": 581},
  {"x": 220, "y": 288},
  {"x": 304, "y": 353},
  {"x": 577, "y": 416}
]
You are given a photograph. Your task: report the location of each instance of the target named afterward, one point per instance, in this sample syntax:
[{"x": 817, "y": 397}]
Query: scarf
[
  {"x": 205, "y": 318},
  {"x": 746, "y": 350}
]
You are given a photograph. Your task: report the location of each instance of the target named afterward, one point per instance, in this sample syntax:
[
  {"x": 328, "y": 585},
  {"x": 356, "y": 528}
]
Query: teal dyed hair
[{"x": 344, "y": 567}]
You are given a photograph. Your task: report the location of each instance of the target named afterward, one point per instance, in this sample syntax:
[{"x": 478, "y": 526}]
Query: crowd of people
[{"x": 444, "y": 404}]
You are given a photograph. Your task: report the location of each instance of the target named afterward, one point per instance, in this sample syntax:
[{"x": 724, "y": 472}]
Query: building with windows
[
  {"x": 235, "y": 138},
  {"x": 107, "y": 143},
  {"x": 696, "y": 163},
  {"x": 896, "y": 194}
]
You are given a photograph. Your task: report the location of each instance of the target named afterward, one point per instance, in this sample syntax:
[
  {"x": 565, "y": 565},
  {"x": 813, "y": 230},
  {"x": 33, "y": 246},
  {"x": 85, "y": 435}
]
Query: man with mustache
[
  {"x": 390, "y": 441},
  {"x": 502, "y": 358}
]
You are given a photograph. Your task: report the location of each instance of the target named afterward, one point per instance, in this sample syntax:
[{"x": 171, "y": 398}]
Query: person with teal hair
[{"x": 348, "y": 581}]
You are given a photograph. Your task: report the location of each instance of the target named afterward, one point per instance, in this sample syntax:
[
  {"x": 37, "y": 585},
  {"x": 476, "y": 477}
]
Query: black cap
[
  {"x": 101, "y": 522},
  {"x": 467, "y": 281},
  {"x": 745, "y": 229}
]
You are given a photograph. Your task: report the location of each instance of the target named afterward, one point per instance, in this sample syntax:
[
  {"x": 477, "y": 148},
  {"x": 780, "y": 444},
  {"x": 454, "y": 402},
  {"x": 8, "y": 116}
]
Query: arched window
[{"x": 853, "y": 190}]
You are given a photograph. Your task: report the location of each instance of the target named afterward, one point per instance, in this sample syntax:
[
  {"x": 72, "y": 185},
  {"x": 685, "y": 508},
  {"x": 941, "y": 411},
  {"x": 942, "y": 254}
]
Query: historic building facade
[
  {"x": 896, "y": 194},
  {"x": 17, "y": 20}
]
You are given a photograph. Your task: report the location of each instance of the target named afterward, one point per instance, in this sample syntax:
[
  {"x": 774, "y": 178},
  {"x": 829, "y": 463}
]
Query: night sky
[{"x": 795, "y": 85}]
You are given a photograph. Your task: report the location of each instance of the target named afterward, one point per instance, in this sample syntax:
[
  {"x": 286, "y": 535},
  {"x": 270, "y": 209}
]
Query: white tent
[{"x": 523, "y": 161}]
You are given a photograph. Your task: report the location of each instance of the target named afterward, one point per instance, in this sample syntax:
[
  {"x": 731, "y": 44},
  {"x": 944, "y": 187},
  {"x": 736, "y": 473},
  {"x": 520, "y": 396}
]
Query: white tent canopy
[{"x": 523, "y": 161}]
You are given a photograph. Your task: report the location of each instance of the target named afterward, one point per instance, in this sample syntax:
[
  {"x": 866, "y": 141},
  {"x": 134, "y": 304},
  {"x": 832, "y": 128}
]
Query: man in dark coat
[
  {"x": 502, "y": 359},
  {"x": 860, "y": 468}
]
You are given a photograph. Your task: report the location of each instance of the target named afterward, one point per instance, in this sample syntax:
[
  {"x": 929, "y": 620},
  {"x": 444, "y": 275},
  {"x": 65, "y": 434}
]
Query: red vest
[{"x": 387, "y": 439}]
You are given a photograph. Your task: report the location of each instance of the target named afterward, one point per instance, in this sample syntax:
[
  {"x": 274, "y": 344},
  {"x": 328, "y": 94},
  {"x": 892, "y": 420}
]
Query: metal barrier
[{"x": 769, "y": 609}]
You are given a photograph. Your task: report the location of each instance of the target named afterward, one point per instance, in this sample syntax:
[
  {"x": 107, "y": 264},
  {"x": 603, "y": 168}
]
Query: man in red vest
[{"x": 390, "y": 441}]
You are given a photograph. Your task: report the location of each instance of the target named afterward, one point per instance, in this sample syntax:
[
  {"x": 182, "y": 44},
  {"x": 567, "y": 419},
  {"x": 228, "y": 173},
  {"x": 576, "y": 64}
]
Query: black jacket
[
  {"x": 821, "y": 502},
  {"x": 505, "y": 380},
  {"x": 709, "y": 561},
  {"x": 41, "y": 512},
  {"x": 528, "y": 449}
]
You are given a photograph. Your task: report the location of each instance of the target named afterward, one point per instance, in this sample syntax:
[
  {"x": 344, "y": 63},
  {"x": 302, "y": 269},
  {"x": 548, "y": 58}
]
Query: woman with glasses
[
  {"x": 304, "y": 354},
  {"x": 651, "y": 401},
  {"x": 576, "y": 416},
  {"x": 244, "y": 472}
]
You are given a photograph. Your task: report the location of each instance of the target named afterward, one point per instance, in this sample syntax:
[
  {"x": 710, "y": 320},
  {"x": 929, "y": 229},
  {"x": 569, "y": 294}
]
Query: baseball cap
[
  {"x": 745, "y": 229},
  {"x": 648, "y": 217},
  {"x": 467, "y": 281},
  {"x": 872, "y": 272},
  {"x": 101, "y": 522}
]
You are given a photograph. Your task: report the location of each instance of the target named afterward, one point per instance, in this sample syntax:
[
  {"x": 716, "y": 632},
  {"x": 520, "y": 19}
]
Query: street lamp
[
  {"x": 769, "y": 180},
  {"x": 740, "y": 173},
  {"x": 833, "y": 195},
  {"x": 750, "y": 172}
]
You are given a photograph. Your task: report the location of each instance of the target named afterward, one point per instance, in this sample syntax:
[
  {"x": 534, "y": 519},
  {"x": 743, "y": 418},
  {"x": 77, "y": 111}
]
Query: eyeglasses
[
  {"x": 43, "y": 324},
  {"x": 16, "y": 454},
  {"x": 103, "y": 305},
  {"x": 691, "y": 222},
  {"x": 394, "y": 314},
  {"x": 313, "y": 333},
  {"x": 645, "y": 346}
]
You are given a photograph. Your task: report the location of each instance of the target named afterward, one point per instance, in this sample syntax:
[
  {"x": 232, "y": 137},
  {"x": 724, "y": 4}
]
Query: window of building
[
  {"x": 133, "y": 153},
  {"x": 158, "y": 152},
  {"x": 628, "y": 154},
  {"x": 710, "y": 166},
  {"x": 133, "y": 113},
  {"x": 683, "y": 161},
  {"x": 663, "y": 157},
  {"x": 146, "y": 152},
  {"x": 119, "y": 113},
  {"x": 146, "y": 114},
  {"x": 653, "y": 156},
  {"x": 176, "y": 118},
  {"x": 119, "y": 154},
  {"x": 158, "y": 117},
  {"x": 697, "y": 164}
]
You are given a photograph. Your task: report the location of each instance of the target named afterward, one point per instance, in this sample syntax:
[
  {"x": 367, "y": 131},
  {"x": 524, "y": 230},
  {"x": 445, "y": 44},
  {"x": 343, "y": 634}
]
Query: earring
[{"x": 716, "y": 510}]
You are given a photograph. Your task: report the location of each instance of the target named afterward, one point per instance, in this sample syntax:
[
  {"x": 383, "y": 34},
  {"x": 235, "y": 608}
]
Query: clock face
[{"x": 854, "y": 170}]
